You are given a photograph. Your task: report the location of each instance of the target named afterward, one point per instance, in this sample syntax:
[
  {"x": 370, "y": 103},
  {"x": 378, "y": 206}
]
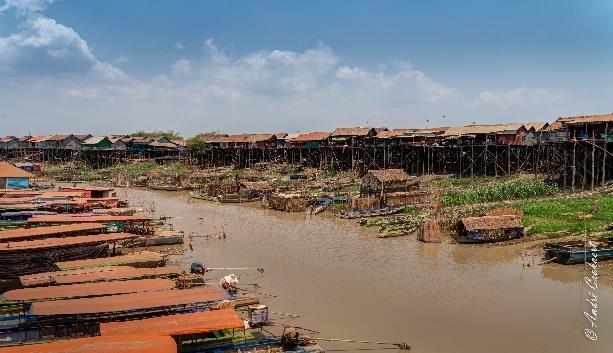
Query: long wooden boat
[
  {"x": 371, "y": 213},
  {"x": 573, "y": 252},
  {"x": 165, "y": 187}
]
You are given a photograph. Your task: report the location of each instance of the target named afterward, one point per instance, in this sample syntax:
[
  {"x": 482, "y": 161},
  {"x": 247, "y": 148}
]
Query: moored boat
[{"x": 573, "y": 252}]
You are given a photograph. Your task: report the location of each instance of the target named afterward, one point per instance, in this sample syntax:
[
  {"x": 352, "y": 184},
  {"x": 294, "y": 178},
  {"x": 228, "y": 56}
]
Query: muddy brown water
[{"x": 346, "y": 283}]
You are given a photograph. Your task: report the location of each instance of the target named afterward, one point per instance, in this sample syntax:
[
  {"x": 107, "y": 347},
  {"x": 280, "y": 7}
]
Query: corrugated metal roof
[
  {"x": 10, "y": 171},
  {"x": 177, "y": 325},
  {"x": 96, "y": 289},
  {"x": 58, "y": 137},
  {"x": 124, "y": 302},
  {"x": 97, "y": 274},
  {"x": 94, "y": 140},
  {"x": 52, "y": 231},
  {"x": 62, "y": 242},
  {"x": 86, "y": 219},
  {"x": 351, "y": 131},
  {"x": 6, "y": 139},
  {"x": 491, "y": 222},
  {"x": 137, "y": 257},
  {"x": 537, "y": 125},
  {"x": 481, "y": 129},
  {"x": 99, "y": 344},
  {"x": 309, "y": 136},
  {"x": 586, "y": 119}
]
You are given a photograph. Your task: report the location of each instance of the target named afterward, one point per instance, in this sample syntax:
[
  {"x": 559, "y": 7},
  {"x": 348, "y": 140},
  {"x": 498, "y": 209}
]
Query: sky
[{"x": 116, "y": 66}]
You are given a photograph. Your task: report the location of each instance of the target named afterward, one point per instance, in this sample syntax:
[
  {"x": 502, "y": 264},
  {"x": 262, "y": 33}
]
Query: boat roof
[
  {"x": 87, "y": 188},
  {"x": 99, "y": 344},
  {"x": 52, "y": 231},
  {"x": 178, "y": 324},
  {"x": 142, "y": 256},
  {"x": 125, "y": 302},
  {"x": 96, "y": 274},
  {"x": 88, "y": 219},
  {"x": 89, "y": 289},
  {"x": 62, "y": 242}
]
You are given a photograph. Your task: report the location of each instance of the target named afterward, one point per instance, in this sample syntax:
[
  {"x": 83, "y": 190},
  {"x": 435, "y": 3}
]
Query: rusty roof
[
  {"x": 178, "y": 324},
  {"x": 58, "y": 137},
  {"x": 132, "y": 301},
  {"x": 86, "y": 219},
  {"x": 53, "y": 231},
  {"x": 96, "y": 274},
  {"x": 10, "y": 171},
  {"x": 141, "y": 256},
  {"x": 536, "y": 125},
  {"x": 481, "y": 129},
  {"x": 89, "y": 289},
  {"x": 63, "y": 242},
  {"x": 310, "y": 136},
  {"x": 586, "y": 119},
  {"x": 39, "y": 138},
  {"x": 491, "y": 222},
  {"x": 351, "y": 131},
  {"x": 209, "y": 138},
  {"x": 25, "y": 138},
  {"x": 8, "y": 139},
  {"x": 390, "y": 175},
  {"x": 99, "y": 344}
]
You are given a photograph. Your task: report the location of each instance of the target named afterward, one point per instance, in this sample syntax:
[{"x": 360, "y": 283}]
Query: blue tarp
[{"x": 17, "y": 183}]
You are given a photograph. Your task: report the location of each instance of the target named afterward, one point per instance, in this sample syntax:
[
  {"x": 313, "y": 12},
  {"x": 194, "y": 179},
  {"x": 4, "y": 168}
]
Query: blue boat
[{"x": 574, "y": 252}]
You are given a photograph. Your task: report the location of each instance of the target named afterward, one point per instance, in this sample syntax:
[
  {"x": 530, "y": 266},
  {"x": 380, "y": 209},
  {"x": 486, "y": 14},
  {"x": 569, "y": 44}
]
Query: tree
[{"x": 169, "y": 134}]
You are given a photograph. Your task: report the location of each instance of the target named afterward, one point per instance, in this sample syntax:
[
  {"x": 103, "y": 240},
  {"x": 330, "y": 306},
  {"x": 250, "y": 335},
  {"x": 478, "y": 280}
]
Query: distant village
[{"x": 592, "y": 127}]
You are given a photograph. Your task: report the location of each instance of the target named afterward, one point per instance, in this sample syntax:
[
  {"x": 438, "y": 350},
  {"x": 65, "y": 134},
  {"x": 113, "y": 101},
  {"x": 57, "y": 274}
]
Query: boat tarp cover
[
  {"x": 48, "y": 232},
  {"x": 96, "y": 274},
  {"x": 99, "y": 344},
  {"x": 130, "y": 259},
  {"x": 89, "y": 289},
  {"x": 125, "y": 302},
  {"x": 88, "y": 219},
  {"x": 177, "y": 325},
  {"x": 42, "y": 244}
]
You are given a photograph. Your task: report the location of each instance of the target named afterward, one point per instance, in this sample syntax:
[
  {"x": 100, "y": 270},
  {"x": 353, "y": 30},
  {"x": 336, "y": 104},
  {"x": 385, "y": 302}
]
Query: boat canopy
[{"x": 177, "y": 325}]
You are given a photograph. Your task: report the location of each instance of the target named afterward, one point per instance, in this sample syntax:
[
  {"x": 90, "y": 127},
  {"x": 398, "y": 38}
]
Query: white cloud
[
  {"x": 179, "y": 45},
  {"x": 45, "y": 47},
  {"x": 181, "y": 67},
  {"x": 121, "y": 59},
  {"x": 24, "y": 7},
  {"x": 522, "y": 95}
]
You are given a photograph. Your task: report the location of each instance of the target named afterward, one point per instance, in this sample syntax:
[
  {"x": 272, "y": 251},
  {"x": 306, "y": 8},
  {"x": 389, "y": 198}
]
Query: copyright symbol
[{"x": 591, "y": 335}]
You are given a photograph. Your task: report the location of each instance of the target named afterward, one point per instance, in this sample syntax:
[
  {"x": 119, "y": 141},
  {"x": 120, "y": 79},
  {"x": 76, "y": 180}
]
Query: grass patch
[
  {"x": 509, "y": 190},
  {"x": 554, "y": 217}
]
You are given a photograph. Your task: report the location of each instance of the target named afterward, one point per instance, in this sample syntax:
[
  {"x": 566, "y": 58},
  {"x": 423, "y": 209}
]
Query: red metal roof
[
  {"x": 62, "y": 242},
  {"x": 142, "y": 256},
  {"x": 53, "y": 231},
  {"x": 177, "y": 325},
  {"x": 133, "y": 301},
  {"x": 96, "y": 274},
  {"x": 99, "y": 344},
  {"x": 87, "y": 219},
  {"x": 89, "y": 289},
  {"x": 599, "y": 118}
]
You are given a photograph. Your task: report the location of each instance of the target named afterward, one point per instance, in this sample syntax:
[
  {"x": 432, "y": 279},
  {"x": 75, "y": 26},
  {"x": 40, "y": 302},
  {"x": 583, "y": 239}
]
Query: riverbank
[{"x": 547, "y": 210}]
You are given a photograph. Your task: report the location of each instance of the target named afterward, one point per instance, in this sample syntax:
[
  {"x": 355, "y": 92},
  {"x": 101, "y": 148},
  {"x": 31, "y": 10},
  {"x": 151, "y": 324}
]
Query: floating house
[
  {"x": 97, "y": 143},
  {"x": 379, "y": 182},
  {"x": 12, "y": 177},
  {"x": 489, "y": 229},
  {"x": 60, "y": 142},
  {"x": 9, "y": 142},
  {"x": 309, "y": 140},
  {"x": 351, "y": 136}
]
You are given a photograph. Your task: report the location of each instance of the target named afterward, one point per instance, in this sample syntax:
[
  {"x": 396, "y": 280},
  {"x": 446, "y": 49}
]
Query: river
[{"x": 346, "y": 283}]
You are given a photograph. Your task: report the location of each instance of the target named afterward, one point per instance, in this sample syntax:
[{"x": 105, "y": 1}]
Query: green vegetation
[
  {"x": 169, "y": 134},
  {"x": 555, "y": 217},
  {"x": 88, "y": 174},
  {"x": 195, "y": 144},
  {"x": 509, "y": 190}
]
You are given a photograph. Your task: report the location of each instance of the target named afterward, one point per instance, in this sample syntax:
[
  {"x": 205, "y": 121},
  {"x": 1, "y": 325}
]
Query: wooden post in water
[
  {"x": 593, "y": 162},
  {"x": 574, "y": 166},
  {"x": 604, "y": 154}
]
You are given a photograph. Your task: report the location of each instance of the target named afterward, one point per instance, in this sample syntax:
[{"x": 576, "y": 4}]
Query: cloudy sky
[{"x": 114, "y": 66}]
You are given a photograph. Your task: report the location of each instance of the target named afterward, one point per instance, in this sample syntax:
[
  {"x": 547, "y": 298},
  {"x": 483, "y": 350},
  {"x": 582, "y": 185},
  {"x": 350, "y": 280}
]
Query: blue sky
[{"x": 266, "y": 66}]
